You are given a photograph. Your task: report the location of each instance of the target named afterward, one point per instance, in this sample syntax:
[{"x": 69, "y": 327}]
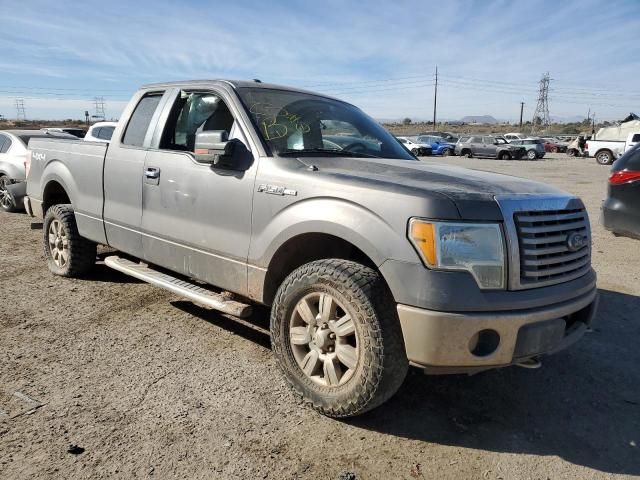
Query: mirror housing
[{"x": 214, "y": 147}]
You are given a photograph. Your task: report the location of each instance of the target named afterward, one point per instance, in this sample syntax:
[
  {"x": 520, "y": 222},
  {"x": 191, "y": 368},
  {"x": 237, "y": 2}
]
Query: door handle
[{"x": 152, "y": 172}]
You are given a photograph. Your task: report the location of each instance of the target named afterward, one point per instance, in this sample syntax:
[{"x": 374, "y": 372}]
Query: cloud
[{"x": 98, "y": 46}]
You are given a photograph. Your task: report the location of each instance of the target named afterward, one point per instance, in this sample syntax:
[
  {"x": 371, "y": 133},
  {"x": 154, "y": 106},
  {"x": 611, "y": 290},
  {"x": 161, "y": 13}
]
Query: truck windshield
[{"x": 301, "y": 123}]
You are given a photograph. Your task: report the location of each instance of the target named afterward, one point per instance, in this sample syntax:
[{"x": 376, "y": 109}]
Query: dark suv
[
  {"x": 621, "y": 209},
  {"x": 488, "y": 146}
]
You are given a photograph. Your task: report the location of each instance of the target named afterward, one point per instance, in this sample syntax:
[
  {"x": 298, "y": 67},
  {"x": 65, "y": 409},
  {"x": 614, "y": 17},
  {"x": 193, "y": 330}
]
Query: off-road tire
[
  {"x": 81, "y": 252},
  {"x": 382, "y": 360},
  {"x": 505, "y": 156},
  {"x": 7, "y": 204},
  {"x": 604, "y": 157}
]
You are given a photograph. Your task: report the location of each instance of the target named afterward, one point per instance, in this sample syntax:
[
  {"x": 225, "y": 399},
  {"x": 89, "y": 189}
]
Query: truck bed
[{"x": 76, "y": 166}]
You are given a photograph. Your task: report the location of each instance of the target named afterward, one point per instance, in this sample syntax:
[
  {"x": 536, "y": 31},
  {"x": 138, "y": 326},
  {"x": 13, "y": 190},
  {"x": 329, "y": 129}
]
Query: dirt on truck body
[{"x": 369, "y": 258}]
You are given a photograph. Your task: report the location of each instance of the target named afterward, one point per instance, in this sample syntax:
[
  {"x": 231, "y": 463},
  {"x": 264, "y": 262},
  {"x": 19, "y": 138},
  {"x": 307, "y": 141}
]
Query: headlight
[{"x": 477, "y": 248}]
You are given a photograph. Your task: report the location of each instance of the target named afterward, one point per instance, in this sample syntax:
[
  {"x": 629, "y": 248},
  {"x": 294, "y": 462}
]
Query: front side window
[
  {"x": 297, "y": 123},
  {"x": 140, "y": 119},
  {"x": 194, "y": 112}
]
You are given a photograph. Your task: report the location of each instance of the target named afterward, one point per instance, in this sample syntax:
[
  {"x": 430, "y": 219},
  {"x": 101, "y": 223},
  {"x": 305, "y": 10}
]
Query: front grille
[{"x": 545, "y": 257}]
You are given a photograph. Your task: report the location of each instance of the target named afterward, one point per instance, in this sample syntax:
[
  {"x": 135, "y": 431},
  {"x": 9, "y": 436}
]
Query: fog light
[{"x": 484, "y": 343}]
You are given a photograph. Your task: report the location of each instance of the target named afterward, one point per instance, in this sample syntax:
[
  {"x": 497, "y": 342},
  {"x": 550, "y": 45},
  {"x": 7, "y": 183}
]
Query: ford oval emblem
[{"x": 575, "y": 241}]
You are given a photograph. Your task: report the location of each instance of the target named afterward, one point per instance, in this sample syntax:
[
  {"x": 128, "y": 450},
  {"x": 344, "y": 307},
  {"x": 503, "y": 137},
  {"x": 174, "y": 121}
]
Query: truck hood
[{"x": 472, "y": 191}]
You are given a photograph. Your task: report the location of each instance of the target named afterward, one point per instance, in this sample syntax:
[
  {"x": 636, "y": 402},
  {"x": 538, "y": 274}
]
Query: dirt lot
[{"x": 153, "y": 386}]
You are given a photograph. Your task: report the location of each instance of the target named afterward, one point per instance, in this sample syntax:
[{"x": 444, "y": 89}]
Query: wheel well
[
  {"x": 54, "y": 194},
  {"x": 603, "y": 150},
  {"x": 306, "y": 248}
]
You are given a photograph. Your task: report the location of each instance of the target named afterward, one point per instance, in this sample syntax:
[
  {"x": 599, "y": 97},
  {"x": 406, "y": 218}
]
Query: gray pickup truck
[{"x": 238, "y": 193}]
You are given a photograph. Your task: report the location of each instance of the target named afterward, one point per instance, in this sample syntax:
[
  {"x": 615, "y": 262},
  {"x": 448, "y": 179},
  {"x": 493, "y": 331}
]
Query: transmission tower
[
  {"x": 542, "y": 107},
  {"x": 20, "y": 113},
  {"x": 99, "y": 104}
]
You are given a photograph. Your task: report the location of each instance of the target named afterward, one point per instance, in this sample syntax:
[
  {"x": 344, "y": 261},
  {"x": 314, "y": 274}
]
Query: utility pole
[
  {"x": 521, "y": 111},
  {"x": 542, "y": 107},
  {"x": 20, "y": 113},
  {"x": 99, "y": 104},
  {"x": 593, "y": 124},
  {"x": 435, "y": 99}
]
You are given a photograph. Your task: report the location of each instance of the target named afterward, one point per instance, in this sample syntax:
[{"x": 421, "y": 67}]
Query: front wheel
[
  {"x": 67, "y": 253},
  {"x": 336, "y": 336},
  {"x": 6, "y": 200},
  {"x": 467, "y": 153},
  {"x": 446, "y": 152},
  {"x": 532, "y": 155},
  {"x": 505, "y": 156}
]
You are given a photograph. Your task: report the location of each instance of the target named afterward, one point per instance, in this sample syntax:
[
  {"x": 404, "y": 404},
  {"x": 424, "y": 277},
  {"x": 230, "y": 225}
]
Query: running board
[{"x": 186, "y": 289}]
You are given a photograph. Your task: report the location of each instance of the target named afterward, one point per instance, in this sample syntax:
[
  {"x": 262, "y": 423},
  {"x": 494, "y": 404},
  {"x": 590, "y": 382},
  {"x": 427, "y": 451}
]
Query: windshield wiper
[{"x": 324, "y": 151}]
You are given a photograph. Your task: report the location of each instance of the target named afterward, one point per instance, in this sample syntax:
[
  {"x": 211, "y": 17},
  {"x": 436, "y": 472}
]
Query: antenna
[
  {"x": 20, "y": 113},
  {"x": 541, "y": 114}
]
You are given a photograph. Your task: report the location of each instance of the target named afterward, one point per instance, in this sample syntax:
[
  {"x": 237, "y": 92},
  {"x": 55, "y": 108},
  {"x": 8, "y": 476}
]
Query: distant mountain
[{"x": 488, "y": 119}]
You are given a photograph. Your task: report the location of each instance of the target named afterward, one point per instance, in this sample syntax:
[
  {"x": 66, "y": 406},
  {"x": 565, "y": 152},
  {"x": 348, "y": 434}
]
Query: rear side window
[
  {"x": 6, "y": 145},
  {"x": 105, "y": 133},
  {"x": 636, "y": 137},
  {"x": 96, "y": 132},
  {"x": 476, "y": 140},
  {"x": 3, "y": 140},
  {"x": 140, "y": 120}
]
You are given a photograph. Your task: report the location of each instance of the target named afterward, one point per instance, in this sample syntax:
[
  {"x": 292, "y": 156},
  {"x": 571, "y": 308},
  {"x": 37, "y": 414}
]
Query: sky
[{"x": 378, "y": 55}]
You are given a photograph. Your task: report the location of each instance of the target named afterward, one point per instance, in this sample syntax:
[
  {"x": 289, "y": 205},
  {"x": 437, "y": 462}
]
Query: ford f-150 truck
[
  {"x": 606, "y": 151},
  {"x": 237, "y": 193}
]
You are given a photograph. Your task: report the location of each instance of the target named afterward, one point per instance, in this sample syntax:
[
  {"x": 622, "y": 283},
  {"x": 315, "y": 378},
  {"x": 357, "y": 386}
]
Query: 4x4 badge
[{"x": 276, "y": 190}]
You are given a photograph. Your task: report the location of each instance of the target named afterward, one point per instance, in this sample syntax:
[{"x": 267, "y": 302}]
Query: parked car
[
  {"x": 515, "y": 136},
  {"x": 419, "y": 149},
  {"x": 621, "y": 209},
  {"x": 449, "y": 137},
  {"x": 489, "y": 146},
  {"x": 13, "y": 155},
  {"x": 554, "y": 145},
  {"x": 534, "y": 147},
  {"x": 439, "y": 146},
  {"x": 76, "y": 132},
  {"x": 574, "y": 149},
  {"x": 100, "y": 132},
  {"x": 606, "y": 151},
  {"x": 368, "y": 258}
]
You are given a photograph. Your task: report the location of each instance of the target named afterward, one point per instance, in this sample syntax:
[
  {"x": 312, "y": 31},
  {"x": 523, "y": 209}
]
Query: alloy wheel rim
[
  {"x": 324, "y": 340},
  {"x": 58, "y": 243},
  {"x": 5, "y": 198}
]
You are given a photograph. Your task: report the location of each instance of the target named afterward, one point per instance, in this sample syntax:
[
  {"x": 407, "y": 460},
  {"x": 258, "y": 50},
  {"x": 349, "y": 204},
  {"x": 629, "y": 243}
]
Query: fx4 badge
[{"x": 276, "y": 190}]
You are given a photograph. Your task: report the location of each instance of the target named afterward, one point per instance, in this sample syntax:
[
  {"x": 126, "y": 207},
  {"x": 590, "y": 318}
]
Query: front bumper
[{"x": 446, "y": 339}]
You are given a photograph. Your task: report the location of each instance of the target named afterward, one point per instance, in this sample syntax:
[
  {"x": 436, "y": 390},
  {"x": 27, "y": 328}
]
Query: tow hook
[{"x": 531, "y": 363}]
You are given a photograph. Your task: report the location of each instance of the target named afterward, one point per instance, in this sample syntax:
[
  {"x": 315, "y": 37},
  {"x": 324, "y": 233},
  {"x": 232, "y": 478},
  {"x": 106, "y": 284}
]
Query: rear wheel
[
  {"x": 532, "y": 155},
  {"x": 67, "y": 253},
  {"x": 336, "y": 336},
  {"x": 6, "y": 200},
  {"x": 605, "y": 157}
]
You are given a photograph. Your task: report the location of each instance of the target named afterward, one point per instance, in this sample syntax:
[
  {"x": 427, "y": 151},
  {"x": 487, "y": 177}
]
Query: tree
[{"x": 406, "y": 121}]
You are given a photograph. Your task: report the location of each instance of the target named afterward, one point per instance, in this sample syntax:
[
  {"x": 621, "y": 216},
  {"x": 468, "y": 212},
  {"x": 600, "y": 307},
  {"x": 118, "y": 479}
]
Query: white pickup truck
[{"x": 606, "y": 151}]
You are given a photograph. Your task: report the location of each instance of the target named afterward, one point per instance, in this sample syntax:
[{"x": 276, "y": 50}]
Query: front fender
[{"x": 346, "y": 220}]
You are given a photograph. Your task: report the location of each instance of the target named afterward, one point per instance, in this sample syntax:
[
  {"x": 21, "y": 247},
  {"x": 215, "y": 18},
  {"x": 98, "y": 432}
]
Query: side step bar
[{"x": 191, "y": 291}]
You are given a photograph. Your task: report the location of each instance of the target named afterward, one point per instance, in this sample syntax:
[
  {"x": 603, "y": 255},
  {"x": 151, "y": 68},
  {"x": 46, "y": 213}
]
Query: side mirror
[{"x": 214, "y": 147}]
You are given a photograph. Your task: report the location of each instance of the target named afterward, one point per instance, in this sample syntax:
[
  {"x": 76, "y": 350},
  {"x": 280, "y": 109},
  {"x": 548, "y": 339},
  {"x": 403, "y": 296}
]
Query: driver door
[{"x": 196, "y": 218}]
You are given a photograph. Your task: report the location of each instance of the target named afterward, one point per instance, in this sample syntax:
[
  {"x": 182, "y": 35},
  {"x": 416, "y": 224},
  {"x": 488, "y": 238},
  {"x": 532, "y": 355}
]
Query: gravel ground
[{"x": 110, "y": 377}]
